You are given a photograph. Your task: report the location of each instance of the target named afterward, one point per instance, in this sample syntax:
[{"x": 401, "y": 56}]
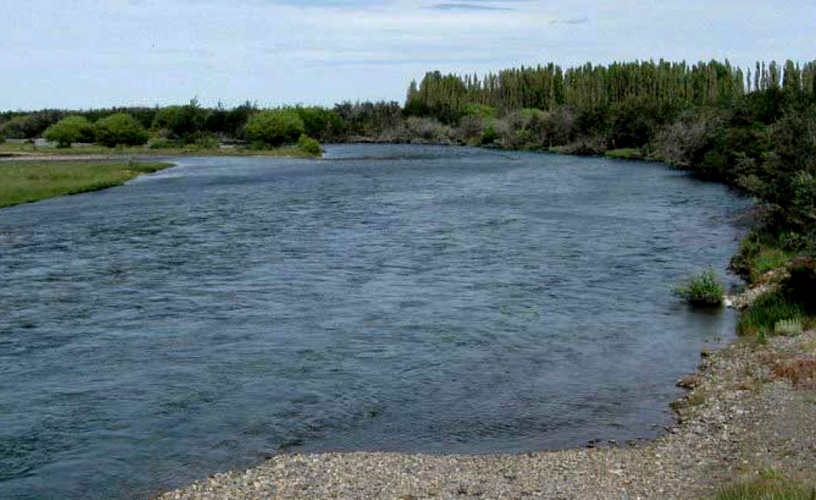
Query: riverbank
[
  {"x": 751, "y": 414},
  {"x": 18, "y": 151},
  {"x": 30, "y": 181}
]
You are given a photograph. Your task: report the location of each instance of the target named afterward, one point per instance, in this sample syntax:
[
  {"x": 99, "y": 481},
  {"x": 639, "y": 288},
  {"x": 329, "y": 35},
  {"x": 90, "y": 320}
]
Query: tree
[
  {"x": 275, "y": 127},
  {"x": 120, "y": 128},
  {"x": 69, "y": 130},
  {"x": 320, "y": 122},
  {"x": 31, "y": 125},
  {"x": 184, "y": 123}
]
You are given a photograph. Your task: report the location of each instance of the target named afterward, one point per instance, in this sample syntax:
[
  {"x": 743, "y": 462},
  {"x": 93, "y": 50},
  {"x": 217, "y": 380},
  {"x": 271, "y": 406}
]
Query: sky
[{"x": 82, "y": 54}]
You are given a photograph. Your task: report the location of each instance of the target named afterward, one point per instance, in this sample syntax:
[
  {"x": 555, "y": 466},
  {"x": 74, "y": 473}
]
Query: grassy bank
[
  {"x": 26, "y": 149},
  {"x": 29, "y": 181}
]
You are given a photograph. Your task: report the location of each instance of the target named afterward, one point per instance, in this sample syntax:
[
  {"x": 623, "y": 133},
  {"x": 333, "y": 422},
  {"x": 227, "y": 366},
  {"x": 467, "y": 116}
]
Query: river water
[{"x": 400, "y": 298}]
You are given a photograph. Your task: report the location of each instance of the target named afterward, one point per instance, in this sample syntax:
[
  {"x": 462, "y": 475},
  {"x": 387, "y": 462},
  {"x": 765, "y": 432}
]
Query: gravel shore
[{"x": 750, "y": 409}]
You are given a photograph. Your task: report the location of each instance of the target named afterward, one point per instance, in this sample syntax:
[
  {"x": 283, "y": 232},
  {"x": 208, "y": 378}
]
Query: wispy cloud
[
  {"x": 571, "y": 20},
  {"x": 465, "y": 6}
]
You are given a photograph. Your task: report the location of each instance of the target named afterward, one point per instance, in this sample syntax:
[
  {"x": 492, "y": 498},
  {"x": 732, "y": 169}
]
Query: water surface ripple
[{"x": 402, "y": 298}]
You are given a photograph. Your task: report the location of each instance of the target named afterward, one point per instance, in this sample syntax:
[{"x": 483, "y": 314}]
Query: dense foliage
[
  {"x": 275, "y": 127},
  {"x": 120, "y": 129},
  {"x": 69, "y": 130}
]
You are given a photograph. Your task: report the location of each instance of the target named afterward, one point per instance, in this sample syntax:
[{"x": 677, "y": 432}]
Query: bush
[
  {"x": 703, "y": 289},
  {"x": 69, "y": 130},
  {"x": 309, "y": 145},
  {"x": 320, "y": 123},
  {"x": 428, "y": 129},
  {"x": 184, "y": 123},
  {"x": 275, "y": 127},
  {"x": 120, "y": 128},
  {"x": 490, "y": 136}
]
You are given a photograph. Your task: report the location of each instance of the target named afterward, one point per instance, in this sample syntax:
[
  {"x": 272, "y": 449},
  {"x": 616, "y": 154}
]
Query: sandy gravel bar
[{"x": 752, "y": 408}]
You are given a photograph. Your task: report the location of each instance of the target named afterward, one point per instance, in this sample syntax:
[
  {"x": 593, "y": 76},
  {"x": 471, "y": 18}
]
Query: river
[{"x": 385, "y": 297}]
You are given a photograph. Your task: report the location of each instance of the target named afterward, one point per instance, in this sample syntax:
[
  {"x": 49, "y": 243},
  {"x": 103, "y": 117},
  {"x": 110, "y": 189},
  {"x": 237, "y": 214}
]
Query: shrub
[
  {"x": 275, "y": 127},
  {"x": 490, "y": 136},
  {"x": 428, "y": 129},
  {"x": 320, "y": 123},
  {"x": 183, "y": 123},
  {"x": 69, "y": 130},
  {"x": 309, "y": 145},
  {"x": 120, "y": 128},
  {"x": 703, "y": 289}
]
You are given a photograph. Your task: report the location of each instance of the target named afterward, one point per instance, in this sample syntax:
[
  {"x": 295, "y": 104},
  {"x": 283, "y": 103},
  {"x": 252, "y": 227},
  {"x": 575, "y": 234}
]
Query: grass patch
[
  {"x": 767, "y": 487},
  {"x": 769, "y": 258},
  {"x": 29, "y": 181},
  {"x": 760, "y": 253},
  {"x": 626, "y": 154},
  {"x": 156, "y": 148},
  {"x": 703, "y": 289},
  {"x": 766, "y": 312},
  {"x": 788, "y": 327}
]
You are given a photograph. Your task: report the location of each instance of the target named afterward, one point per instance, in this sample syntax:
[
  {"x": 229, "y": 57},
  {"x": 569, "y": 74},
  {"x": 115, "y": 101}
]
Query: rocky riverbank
[{"x": 750, "y": 409}]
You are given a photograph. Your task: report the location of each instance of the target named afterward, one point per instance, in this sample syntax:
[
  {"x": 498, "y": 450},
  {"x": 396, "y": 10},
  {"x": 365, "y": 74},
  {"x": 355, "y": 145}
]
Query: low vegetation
[
  {"x": 626, "y": 154},
  {"x": 70, "y": 130},
  {"x": 309, "y": 145},
  {"x": 275, "y": 127},
  {"x": 25, "y": 182},
  {"x": 767, "y": 311},
  {"x": 788, "y": 307},
  {"x": 769, "y": 486},
  {"x": 704, "y": 289},
  {"x": 120, "y": 129}
]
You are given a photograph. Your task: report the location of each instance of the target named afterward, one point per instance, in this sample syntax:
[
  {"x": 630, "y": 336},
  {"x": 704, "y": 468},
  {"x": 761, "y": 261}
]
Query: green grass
[
  {"x": 22, "y": 148},
  {"x": 30, "y": 181},
  {"x": 770, "y": 258},
  {"x": 626, "y": 154},
  {"x": 760, "y": 253},
  {"x": 766, "y": 312},
  {"x": 767, "y": 487},
  {"x": 703, "y": 289},
  {"x": 788, "y": 327}
]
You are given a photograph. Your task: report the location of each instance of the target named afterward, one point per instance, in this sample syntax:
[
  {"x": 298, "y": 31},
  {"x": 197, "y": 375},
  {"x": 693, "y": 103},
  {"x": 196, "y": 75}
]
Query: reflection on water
[{"x": 384, "y": 298}]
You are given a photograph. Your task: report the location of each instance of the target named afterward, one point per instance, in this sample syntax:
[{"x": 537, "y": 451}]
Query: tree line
[{"x": 192, "y": 123}]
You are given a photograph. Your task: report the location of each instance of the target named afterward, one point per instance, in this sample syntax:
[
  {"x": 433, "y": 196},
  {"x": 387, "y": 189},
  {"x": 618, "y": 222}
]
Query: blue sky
[{"x": 94, "y": 53}]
